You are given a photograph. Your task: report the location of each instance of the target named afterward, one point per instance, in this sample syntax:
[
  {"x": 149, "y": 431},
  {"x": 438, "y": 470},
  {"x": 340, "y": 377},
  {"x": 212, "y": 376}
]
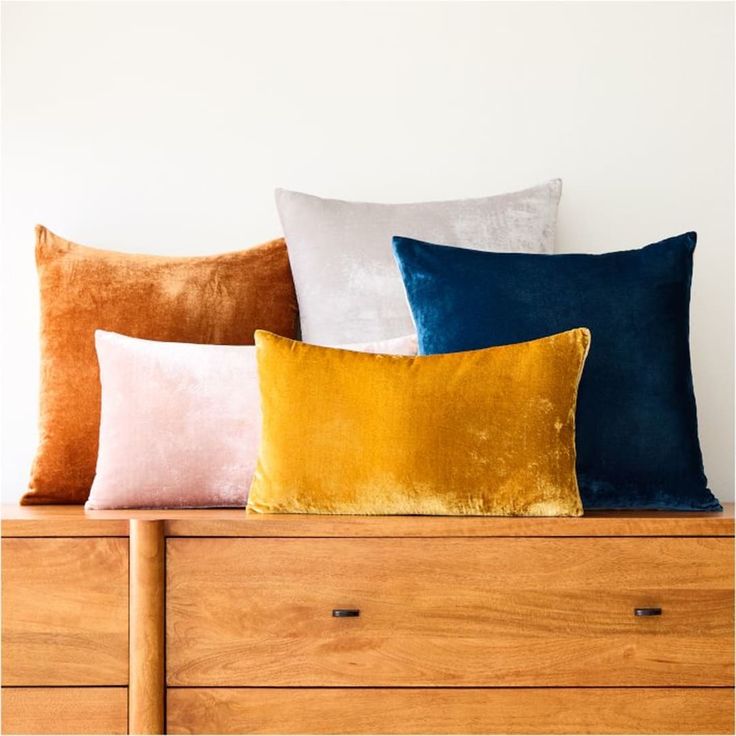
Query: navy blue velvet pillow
[{"x": 637, "y": 432}]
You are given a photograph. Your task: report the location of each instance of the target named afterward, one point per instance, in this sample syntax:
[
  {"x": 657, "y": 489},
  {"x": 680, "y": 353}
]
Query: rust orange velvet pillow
[{"x": 218, "y": 299}]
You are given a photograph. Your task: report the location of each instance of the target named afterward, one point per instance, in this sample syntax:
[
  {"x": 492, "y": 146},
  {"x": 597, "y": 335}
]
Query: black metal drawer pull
[
  {"x": 647, "y": 612},
  {"x": 345, "y": 612}
]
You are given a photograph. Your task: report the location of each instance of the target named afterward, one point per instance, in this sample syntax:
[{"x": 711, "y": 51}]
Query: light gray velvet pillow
[{"x": 347, "y": 283}]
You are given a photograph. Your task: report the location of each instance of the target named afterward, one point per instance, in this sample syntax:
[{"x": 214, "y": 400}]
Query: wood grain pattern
[
  {"x": 146, "y": 694},
  {"x": 429, "y": 711},
  {"x": 66, "y": 710},
  {"x": 230, "y": 523},
  {"x": 61, "y": 521},
  {"x": 459, "y": 612},
  {"x": 40, "y": 521},
  {"x": 455, "y": 602},
  {"x": 65, "y": 611}
]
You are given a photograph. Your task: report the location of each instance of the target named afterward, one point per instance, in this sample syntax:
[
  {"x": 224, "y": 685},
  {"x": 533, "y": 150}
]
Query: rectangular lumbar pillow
[
  {"x": 637, "y": 434},
  {"x": 181, "y": 423},
  {"x": 486, "y": 432},
  {"x": 347, "y": 283},
  {"x": 212, "y": 299}
]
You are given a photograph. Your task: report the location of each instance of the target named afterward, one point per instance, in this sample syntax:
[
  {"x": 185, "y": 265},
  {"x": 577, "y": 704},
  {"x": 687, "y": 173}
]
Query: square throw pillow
[
  {"x": 637, "y": 432},
  {"x": 212, "y": 299},
  {"x": 486, "y": 432},
  {"x": 347, "y": 283},
  {"x": 189, "y": 415}
]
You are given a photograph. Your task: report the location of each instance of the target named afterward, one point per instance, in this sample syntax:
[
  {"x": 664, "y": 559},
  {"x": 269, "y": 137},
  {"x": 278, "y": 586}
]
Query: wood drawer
[
  {"x": 450, "y": 612},
  {"x": 65, "y": 710},
  {"x": 450, "y": 710},
  {"x": 65, "y": 611}
]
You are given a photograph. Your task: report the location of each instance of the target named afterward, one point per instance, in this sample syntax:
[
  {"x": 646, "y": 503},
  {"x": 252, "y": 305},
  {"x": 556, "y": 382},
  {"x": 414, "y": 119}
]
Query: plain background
[{"x": 164, "y": 128}]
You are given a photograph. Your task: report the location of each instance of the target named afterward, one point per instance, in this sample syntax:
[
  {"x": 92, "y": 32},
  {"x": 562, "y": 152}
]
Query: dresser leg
[{"x": 146, "y": 651}]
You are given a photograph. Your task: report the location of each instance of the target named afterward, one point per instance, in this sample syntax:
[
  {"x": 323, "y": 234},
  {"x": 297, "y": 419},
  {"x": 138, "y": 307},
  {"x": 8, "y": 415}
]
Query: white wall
[{"x": 164, "y": 127}]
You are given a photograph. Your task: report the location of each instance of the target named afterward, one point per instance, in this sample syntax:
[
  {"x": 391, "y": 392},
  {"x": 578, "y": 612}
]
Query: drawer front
[
  {"x": 449, "y": 612},
  {"x": 451, "y": 710},
  {"x": 67, "y": 710},
  {"x": 65, "y": 611}
]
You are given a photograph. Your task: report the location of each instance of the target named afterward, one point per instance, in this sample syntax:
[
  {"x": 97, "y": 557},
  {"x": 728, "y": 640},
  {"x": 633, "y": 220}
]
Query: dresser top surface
[{"x": 58, "y": 521}]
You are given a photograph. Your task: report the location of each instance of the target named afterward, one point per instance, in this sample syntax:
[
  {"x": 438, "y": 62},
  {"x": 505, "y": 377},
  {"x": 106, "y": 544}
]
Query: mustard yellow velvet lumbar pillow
[
  {"x": 218, "y": 299},
  {"x": 486, "y": 432}
]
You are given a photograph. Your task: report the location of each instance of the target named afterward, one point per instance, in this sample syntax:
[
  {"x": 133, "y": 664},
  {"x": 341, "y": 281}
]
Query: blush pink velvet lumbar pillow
[{"x": 180, "y": 423}]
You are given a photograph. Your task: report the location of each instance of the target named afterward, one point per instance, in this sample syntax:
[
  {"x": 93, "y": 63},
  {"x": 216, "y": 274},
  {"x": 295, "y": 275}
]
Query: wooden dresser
[{"x": 226, "y": 622}]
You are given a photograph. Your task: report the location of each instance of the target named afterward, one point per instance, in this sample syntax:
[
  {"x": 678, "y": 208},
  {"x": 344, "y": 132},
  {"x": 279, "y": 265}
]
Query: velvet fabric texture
[
  {"x": 487, "y": 432},
  {"x": 218, "y": 299},
  {"x": 190, "y": 416},
  {"x": 347, "y": 283},
  {"x": 637, "y": 434}
]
